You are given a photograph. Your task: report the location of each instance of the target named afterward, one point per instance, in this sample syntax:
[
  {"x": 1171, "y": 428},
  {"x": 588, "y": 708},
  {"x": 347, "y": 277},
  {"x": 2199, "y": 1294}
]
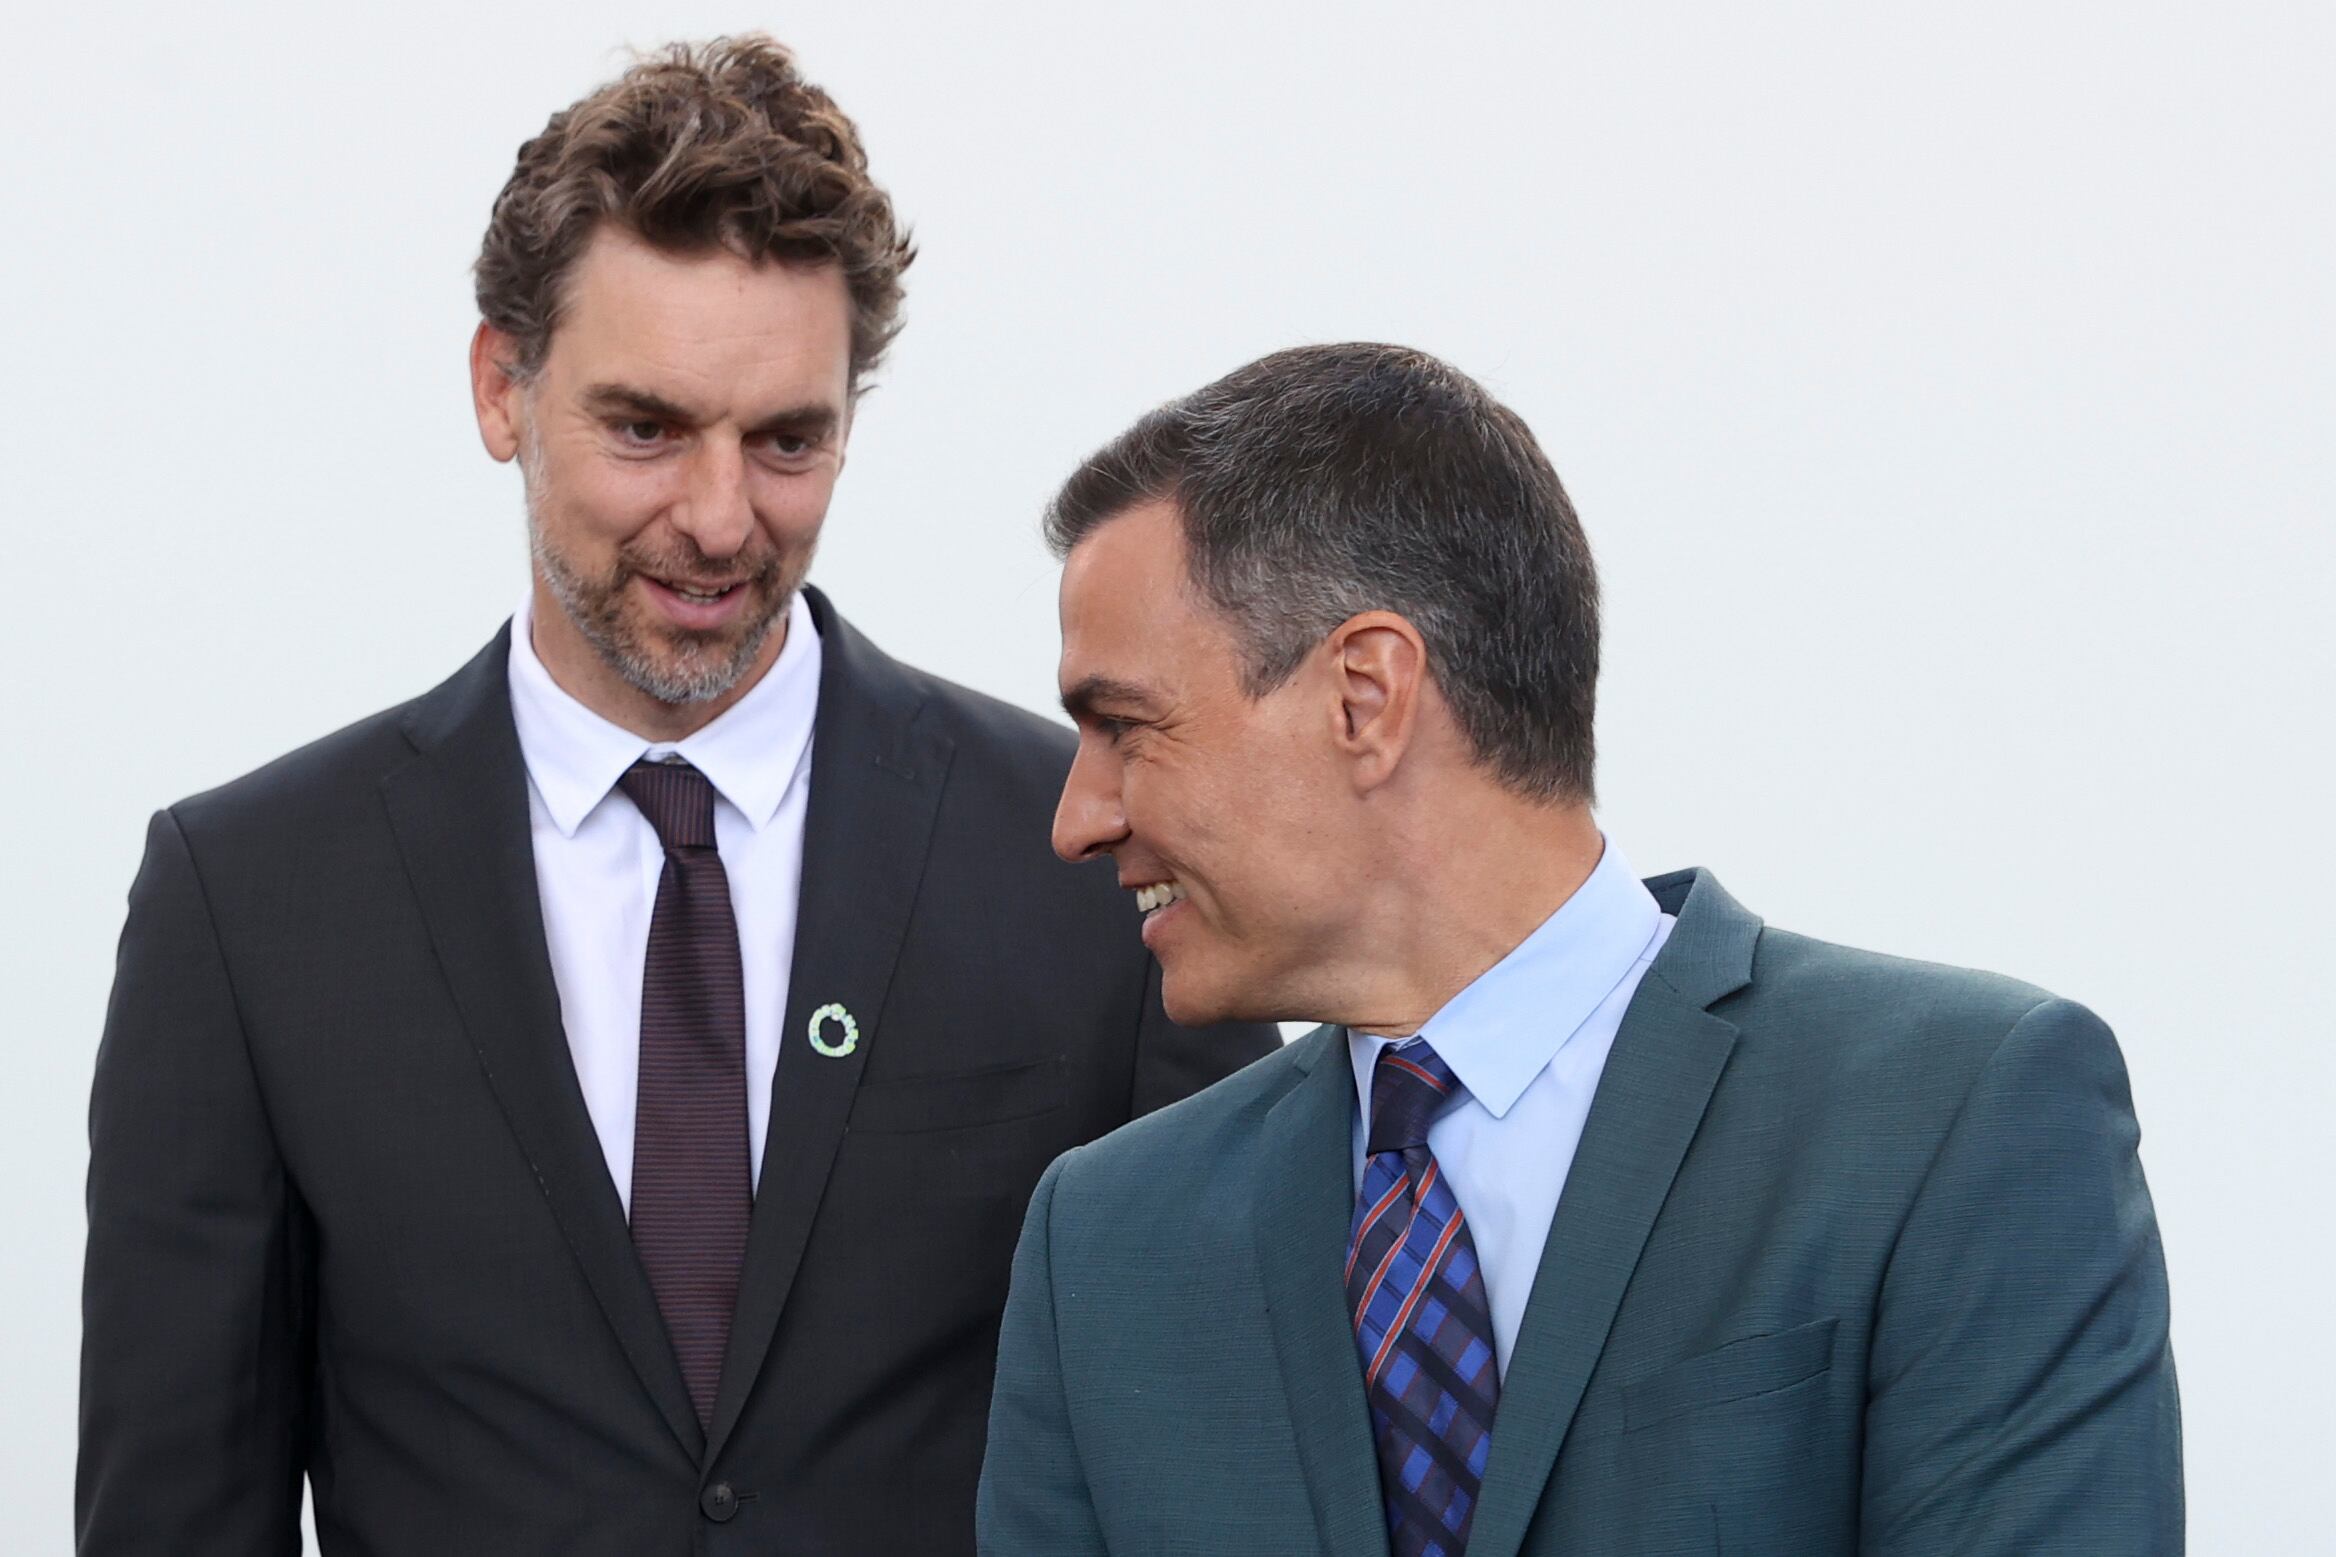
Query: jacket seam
[
  {"x": 1946, "y": 1139},
  {"x": 1054, "y": 1322},
  {"x": 227, "y": 974},
  {"x": 309, "y": 1370}
]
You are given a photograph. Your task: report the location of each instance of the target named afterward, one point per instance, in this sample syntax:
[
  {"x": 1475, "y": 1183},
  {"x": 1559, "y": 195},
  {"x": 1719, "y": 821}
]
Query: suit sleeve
[
  {"x": 2021, "y": 1391},
  {"x": 1174, "y": 1062},
  {"x": 1034, "y": 1500},
  {"x": 192, "y": 1378}
]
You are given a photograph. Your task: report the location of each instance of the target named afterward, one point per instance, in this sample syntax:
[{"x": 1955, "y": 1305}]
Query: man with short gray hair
[{"x": 1600, "y": 1217}]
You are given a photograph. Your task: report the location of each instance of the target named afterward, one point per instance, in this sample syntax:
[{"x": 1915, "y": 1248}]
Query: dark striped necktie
[
  {"x": 692, "y": 1187},
  {"x": 1421, "y": 1320}
]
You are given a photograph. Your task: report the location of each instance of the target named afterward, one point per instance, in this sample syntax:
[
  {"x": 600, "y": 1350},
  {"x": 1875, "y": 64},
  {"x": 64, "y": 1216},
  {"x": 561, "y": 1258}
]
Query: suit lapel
[
  {"x": 1659, "y": 1077},
  {"x": 876, "y": 779},
  {"x": 1302, "y": 1211},
  {"x": 459, "y": 810}
]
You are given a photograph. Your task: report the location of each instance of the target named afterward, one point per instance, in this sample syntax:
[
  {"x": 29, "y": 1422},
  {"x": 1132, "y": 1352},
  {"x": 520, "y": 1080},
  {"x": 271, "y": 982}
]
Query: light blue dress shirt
[{"x": 1528, "y": 1039}]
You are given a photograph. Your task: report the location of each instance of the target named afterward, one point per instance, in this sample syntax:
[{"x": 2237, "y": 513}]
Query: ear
[
  {"x": 494, "y": 394},
  {"x": 1381, "y": 664}
]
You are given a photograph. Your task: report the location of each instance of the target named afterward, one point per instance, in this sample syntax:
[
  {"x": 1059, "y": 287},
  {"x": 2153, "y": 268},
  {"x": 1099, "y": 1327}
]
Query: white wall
[{"x": 1946, "y": 390}]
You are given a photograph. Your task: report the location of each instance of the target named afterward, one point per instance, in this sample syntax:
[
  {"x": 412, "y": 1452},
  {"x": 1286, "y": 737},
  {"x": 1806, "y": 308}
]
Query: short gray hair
[{"x": 1326, "y": 481}]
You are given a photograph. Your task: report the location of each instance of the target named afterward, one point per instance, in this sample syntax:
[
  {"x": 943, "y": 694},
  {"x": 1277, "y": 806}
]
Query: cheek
[
  {"x": 792, "y": 508},
  {"x": 596, "y": 501},
  {"x": 1272, "y": 815},
  {"x": 1202, "y": 813},
  {"x": 1168, "y": 806}
]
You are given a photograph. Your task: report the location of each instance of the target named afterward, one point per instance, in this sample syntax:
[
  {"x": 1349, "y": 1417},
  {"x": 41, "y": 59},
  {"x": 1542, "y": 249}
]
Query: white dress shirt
[
  {"x": 597, "y": 860},
  {"x": 1528, "y": 1039}
]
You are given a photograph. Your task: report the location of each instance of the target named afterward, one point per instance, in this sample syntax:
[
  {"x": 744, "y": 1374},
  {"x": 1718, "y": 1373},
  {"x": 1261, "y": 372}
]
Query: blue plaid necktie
[{"x": 1421, "y": 1320}]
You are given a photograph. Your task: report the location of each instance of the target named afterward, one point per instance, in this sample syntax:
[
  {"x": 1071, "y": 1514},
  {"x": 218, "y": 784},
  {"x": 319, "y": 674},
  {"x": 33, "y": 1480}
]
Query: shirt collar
[
  {"x": 1509, "y": 1023},
  {"x": 750, "y": 752}
]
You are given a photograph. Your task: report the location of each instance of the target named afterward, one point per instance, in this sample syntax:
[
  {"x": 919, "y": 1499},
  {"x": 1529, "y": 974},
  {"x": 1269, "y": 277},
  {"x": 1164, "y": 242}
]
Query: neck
[
  {"x": 578, "y": 669},
  {"x": 1462, "y": 893}
]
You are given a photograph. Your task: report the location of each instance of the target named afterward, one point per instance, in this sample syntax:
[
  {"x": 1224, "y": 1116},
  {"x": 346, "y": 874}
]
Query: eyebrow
[
  {"x": 813, "y": 420},
  {"x": 1080, "y": 701}
]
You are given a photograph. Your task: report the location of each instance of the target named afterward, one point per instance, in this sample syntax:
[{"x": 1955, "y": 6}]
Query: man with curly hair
[{"x": 588, "y": 1109}]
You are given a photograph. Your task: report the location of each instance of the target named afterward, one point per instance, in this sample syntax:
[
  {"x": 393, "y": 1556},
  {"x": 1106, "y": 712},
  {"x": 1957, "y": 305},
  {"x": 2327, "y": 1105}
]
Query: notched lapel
[
  {"x": 1301, "y": 1215},
  {"x": 877, "y": 774},
  {"x": 459, "y": 810},
  {"x": 1659, "y": 1077}
]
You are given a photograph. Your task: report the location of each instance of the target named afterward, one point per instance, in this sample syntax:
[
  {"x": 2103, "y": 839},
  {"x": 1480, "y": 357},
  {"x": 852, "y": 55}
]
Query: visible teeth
[
  {"x": 1158, "y": 895},
  {"x": 688, "y": 593}
]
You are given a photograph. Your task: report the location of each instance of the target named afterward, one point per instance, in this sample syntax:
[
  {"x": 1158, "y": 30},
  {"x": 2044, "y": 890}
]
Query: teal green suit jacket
[{"x": 1855, "y": 1256}]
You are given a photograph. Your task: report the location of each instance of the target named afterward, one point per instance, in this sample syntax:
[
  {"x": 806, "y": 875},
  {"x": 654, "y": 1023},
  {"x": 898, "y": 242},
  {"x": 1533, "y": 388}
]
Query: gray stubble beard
[{"x": 595, "y": 608}]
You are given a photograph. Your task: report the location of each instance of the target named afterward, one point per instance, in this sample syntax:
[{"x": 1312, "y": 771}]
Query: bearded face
[
  {"x": 674, "y": 624},
  {"x": 679, "y": 443}
]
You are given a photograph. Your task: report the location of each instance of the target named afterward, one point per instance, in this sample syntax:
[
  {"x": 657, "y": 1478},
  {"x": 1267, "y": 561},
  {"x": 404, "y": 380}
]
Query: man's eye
[
  {"x": 642, "y": 433},
  {"x": 790, "y": 445}
]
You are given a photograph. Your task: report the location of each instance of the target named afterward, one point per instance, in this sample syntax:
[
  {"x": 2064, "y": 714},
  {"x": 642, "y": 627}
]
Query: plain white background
[{"x": 1946, "y": 391}]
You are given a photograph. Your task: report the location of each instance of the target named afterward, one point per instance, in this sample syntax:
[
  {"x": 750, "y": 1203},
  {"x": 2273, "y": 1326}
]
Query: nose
[
  {"x": 716, "y": 512},
  {"x": 1089, "y": 819}
]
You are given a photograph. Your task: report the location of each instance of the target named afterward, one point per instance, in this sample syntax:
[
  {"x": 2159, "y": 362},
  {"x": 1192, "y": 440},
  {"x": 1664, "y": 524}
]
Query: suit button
[{"x": 719, "y": 1502}]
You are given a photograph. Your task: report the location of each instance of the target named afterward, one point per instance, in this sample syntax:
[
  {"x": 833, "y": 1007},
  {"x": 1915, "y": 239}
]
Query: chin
[
  {"x": 708, "y": 654},
  {"x": 1184, "y": 1013},
  {"x": 1192, "y": 1001}
]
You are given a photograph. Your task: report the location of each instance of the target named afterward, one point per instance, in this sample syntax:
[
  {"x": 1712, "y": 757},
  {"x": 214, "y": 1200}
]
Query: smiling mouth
[
  {"x": 1159, "y": 894},
  {"x": 696, "y": 594}
]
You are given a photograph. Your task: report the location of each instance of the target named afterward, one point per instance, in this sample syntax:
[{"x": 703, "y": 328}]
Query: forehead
[
  {"x": 1128, "y": 615},
  {"x": 632, "y": 309}
]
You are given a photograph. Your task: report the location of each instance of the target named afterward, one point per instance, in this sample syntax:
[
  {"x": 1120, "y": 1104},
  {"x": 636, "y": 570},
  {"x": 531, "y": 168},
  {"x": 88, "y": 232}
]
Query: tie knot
[
  {"x": 677, "y": 799},
  {"x": 1409, "y": 1084}
]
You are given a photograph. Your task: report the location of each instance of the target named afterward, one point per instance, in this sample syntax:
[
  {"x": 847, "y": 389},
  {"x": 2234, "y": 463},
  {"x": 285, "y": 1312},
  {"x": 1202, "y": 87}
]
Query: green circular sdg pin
[{"x": 851, "y": 1039}]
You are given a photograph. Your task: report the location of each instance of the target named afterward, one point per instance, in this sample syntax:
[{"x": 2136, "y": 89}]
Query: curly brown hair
[{"x": 698, "y": 145}]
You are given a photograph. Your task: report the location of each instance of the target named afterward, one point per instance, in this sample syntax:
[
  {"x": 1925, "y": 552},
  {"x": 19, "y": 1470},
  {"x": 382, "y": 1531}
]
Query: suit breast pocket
[
  {"x": 1741, "y": 1370},
  {"x": 957, "y": 1100},
  {"x": 1751, "y": 1446}
]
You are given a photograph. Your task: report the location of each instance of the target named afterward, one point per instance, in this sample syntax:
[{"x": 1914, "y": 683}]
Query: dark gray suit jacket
[
  {"x": 1855, "y": 1256},
  {"x": 348, "y": 1215}
]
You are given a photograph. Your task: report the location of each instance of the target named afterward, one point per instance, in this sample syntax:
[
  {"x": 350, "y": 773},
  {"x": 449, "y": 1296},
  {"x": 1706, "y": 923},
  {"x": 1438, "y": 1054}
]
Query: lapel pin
[{"x": 819, "y": 1042}]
